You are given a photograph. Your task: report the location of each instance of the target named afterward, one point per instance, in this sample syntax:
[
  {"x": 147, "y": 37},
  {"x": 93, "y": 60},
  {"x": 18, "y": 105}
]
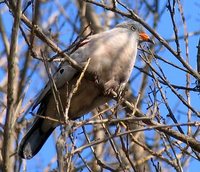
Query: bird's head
[{"x": 134, "y": 26}]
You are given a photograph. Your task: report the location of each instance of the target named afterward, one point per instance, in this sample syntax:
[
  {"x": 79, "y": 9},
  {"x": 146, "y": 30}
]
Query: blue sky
[{"x": 192, "y": 13}]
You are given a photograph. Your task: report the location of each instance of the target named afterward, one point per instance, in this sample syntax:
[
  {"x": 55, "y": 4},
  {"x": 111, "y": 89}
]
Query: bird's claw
[
  {"x": 96, "y": 80},
  {"x": 111, "y": 86}
]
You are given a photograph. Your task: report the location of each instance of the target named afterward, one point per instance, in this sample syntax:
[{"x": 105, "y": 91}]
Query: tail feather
[
  {"x": 34, "y": 139},
  {"x": 37, "y": 135}
]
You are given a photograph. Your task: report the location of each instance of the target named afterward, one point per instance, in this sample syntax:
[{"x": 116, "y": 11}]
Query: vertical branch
[
  {"x": 8, "y": 129},
  {"x": 171, "y": 9},
  {"x": 4, "y": 37},
  {"x": 36, "y": 16},
  {"x": 187, "y": 92},
  {"x": 89, "y": 17}
]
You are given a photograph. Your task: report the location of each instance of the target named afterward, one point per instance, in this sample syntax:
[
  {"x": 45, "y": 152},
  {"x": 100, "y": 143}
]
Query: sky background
[{"x": 192, "y": 13}]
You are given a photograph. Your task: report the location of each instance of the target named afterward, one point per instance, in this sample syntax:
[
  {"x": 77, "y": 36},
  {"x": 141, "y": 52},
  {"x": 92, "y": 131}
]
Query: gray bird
[{"x": 113, "y": 54}]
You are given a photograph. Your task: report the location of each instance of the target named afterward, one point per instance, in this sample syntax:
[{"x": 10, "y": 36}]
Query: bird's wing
[{"x": 64, "y": 73}]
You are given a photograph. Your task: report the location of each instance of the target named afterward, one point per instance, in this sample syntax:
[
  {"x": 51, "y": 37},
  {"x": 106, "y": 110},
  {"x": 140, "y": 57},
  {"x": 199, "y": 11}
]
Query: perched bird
[{"x": 113, "y": 54}]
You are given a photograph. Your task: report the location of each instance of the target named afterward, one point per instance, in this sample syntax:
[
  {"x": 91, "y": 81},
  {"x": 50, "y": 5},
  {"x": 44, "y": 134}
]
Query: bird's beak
[{"x": 145, "y": 37}]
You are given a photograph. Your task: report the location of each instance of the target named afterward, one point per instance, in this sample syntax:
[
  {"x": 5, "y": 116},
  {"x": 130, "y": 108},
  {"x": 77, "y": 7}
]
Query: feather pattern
[{"x": 112, "y": 54}]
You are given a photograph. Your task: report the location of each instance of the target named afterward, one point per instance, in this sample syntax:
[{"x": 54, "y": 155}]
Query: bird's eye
[{"x": 133, "y": 28}]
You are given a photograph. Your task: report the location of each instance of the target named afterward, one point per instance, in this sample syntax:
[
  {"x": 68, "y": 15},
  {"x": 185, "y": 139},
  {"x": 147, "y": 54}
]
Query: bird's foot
[
  {"x": 120, "y": 90},
  {"x": 97, "y": 80},
  {"x": 110, "y": 86},
  {"x": 113, "y": 85}
]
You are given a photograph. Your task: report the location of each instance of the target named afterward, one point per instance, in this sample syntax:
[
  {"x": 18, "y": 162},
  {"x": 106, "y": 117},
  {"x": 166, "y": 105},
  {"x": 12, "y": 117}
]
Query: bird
[{"x": 112, "y": 56}]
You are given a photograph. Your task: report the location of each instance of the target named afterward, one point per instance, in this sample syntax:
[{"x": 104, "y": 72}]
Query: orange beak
[{"x": 145, "y": 37}]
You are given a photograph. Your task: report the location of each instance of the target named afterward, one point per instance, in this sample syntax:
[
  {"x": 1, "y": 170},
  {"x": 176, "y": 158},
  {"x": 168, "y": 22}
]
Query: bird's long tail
[{"x": 35, "y": 138}]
